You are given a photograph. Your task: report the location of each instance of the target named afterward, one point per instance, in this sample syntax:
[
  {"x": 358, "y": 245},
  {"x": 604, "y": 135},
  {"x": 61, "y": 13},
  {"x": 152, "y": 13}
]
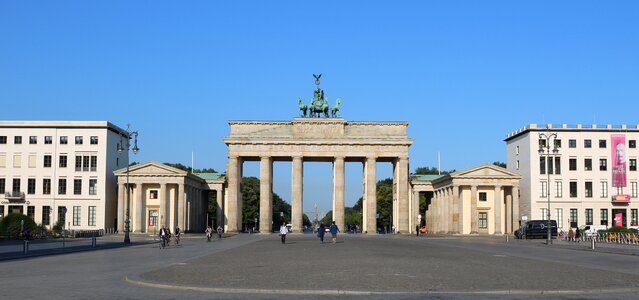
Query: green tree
[
  {"x": 188, "y": 169},
  {"x": 501, "y": 164},
  {"x": 430, "y": 171}
]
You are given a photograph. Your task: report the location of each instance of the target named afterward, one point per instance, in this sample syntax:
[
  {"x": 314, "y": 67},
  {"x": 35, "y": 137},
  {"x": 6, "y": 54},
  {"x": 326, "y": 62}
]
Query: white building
[
  {"x": 61, "y": 170},
  {"x": 593, "y": 174}
]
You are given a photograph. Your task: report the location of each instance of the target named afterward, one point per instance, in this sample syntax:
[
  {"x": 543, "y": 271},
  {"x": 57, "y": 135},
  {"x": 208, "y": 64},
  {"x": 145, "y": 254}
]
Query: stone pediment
[
  {"x": 151, "y": 168},
  {"x": 484, "y": 171}
]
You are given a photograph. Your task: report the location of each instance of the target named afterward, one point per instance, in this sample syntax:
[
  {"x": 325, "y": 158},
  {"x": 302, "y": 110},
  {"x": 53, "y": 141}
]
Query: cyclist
[
  {"x": 177, "y": 236},
  {"x": 219, "y": 232},
  {"x": 163, "y": 237}
]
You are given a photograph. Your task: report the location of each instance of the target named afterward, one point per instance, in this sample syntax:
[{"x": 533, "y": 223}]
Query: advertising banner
[{"x": 618, "y": 143}]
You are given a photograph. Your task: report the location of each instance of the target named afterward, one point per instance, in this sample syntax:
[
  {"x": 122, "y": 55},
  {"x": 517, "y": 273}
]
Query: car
[
  {"x": 539, "y": 228},
  {"x": 591, "y": 230}
]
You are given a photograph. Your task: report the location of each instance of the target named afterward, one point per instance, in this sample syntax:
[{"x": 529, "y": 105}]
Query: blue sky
[{"x": 462, "y": 73}]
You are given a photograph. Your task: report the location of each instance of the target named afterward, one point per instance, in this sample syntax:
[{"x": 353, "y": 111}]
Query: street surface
[{"x": 357, "y": 267}]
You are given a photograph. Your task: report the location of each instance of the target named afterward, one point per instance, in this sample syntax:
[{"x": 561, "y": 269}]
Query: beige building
[
  {"x": 61, "y": 171},
  {"x": 593, "y": 174},
  {"x": 163, "y": 195},
  {"x": 478, "y": 200}
]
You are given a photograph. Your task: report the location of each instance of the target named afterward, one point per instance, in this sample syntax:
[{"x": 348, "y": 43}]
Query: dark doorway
[{"x": 619, "y": 217}]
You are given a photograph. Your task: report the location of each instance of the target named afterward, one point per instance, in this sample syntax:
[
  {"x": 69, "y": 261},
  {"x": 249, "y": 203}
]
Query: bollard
[
  {"x": 592, "y": 244},
  {"x": 93, "y": 242},
  {"x": 507, "y": 237},
  {"x": 25, "y": 247}
]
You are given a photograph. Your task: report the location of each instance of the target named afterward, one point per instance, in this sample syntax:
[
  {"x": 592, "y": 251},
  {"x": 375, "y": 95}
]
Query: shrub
[
  {"x": 11, "y": 225},
  {"x": 620, "y": 229}
]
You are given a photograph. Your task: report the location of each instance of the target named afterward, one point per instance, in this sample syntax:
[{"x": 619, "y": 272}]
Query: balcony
[{"x": 14, "y": 196}]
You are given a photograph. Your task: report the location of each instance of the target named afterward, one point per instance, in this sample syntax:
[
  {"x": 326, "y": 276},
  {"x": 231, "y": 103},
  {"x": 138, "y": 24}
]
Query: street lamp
[
  {"x": 122, "y": 146},
  {"x": 545, "y": 150}
]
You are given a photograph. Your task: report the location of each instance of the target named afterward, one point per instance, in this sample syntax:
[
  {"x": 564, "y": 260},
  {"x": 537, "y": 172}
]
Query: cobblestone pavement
[{"x": 371, "y": 267}]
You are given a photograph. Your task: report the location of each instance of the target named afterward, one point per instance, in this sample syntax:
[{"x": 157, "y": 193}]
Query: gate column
[
  {"x": 338, "y": 192},
  {"x": 297, "y": 193},
  {"x": 370, "y": 196},
  {"x": 266, "y": 194}
]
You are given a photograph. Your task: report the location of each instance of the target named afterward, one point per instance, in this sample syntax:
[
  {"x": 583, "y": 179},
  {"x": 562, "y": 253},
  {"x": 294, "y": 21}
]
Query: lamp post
[
  {"x": 545, "y": 150},
  {"x": 122, "y": 146}
]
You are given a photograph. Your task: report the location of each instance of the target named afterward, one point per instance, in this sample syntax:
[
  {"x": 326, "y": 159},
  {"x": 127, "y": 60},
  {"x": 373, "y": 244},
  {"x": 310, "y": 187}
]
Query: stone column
[
  {"x": 371, "y": 195},
  {"x": 163, "y": 212},
  {"x": 458, "y": 212},
  {"x": 498, "y": 210},
  {"x": 402, "y": 190},
  {"x": 516, "y": 216},
  {"x": 474, "y": 217},
  {"x": 233, "y": 179},
  {"x": 219, "y": 216},
  {"x": 448, "y": 212},
  {"x": 508, "y": 214},
  {"x": 266, "y": 194},
  {"x": 338, "y": 192},
  {"x": 181, "y": 203},
  {"x": 297, "y": 193},
  {"x": 121, "y": 206},
  {"x": 141, "y": 208},
  {"x": 435, "y": 212},
  {"x": 415, "y": 200}
]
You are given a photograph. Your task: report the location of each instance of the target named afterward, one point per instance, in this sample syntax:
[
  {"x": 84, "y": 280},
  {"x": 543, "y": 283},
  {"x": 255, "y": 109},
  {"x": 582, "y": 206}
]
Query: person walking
[
  {"x": 163, "y": 235},
  {"x": 577, "y": 235},
  {"x": 208, "y": 233},
  {"x": 320, "y": 232},
  {"x": 334, "y": 230},
  {"x": 283, "y": 232},
  {"x": 219, "y": 232}
]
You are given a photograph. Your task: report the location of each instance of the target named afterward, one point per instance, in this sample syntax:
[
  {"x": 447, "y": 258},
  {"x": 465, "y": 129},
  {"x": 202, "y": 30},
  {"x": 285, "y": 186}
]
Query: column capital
[{"x": 339, "y": 157}]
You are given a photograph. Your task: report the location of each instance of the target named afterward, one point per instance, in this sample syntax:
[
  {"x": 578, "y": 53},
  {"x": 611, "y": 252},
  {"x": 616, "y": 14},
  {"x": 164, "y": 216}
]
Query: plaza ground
[{"x": 358, "y": 266}]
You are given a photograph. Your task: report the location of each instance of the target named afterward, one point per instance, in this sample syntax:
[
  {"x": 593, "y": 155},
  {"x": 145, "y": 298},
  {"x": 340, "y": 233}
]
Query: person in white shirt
[{"x": 283, "y": 232}]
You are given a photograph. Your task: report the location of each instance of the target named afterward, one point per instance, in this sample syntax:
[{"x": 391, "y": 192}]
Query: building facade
[
  {"x": 61, "y": 171},
  {"x": 592, "y": 170}
]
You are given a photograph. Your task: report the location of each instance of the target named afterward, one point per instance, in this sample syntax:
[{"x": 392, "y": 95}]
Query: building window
[
  {"x": 3, "y": 186},
  {"x": 31, "y": 212},
  {"x": 78, "y": 163},
  {"x": 560, "y": 217},
  {"x": 602, "y": 143},
  {"x": 573, "y": 218},
  {"x": 33, "y": 140},
  {"x": 542, "y": 143},
  {"x": 483, "y": 220},
  {"x": 633, "y": 217},
  {"x": 31, "y": 186},
  {"x": 587, "y": 144},
  {"x": 572, "y": 164},
  {"x": 542, "y": 165},
  {"x": 558, "y": 165},
  {"x": 76, "y": 215},
  {"x": 93, "y": 186},
  {"x": 572, "y": 143},
  {"x": 94, "y": 163},
  {"x": 603, "y": 164},
  {"x": 557, "y": 143},
  {"x": 17, "y": 140},
  {"x": 3, "y": 160},
  {"x": 17, "y": 161},
  {"x": 62, "y": 186},
  {"x": 46, "y": 186},
  {"x": 3, "y": 140},
  {"x": 64, "y": 140},
  {"x": 604, "y": 189},
  {"x": 604, "y": 216},
  {"x": 588, "y": 164},
  {"x": 633, "y": 164},
  {"x": 518, "y": 164},
  {"x": 48, "y": 140},
  {"x": 588, "y": 216},
  {"x": 91, "y": 215},
  {"x": 62, "y": 216},
  {"x": 153, "y": 194},
  {"x": 573, "y": 189},
  {"x": 78, "y": 140},
  {"x": 544, "y": 189},
  {"x": 63, "y": 161},
  {"x": 550, "y": 166},
  {"x": 85, "y": 163},
  {"x": 588, "y": 189},
  {"x": 77, "y": 186},
  {"x": 633, "y": 189},
  {"x": 632, "y": 143},
  {"x": 544, "y": 213},
  {"x": 47, "y": 161},
  {"x": 153, "y": 217},
  {"x": 517, "y": 150},
  {"x": 558, "y": 193},
  {"x": 16, "y": 185},
  {"x": 94, "y": 140},
  {"x": 482, "y": 196},
  {"x": 32, "y": 160},
  {"x": 46, "y": 215}
]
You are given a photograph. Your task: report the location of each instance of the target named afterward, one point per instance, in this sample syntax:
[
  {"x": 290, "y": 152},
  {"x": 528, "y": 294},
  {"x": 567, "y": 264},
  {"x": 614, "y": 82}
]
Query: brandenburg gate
[{"x": 326, "y": 139}]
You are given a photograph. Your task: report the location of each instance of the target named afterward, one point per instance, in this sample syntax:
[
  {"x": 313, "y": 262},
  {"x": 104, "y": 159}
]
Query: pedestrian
[
  {"x": 417, "y": 230},
  {"x": 320, "y": 233},
  {"x": 163, "y": 236},
  {"x": 577, "y": 235},
  {"x": 283, "y": 232},
  {"x": 219, "y": 232},
  {"x": 334, "y": 230}
]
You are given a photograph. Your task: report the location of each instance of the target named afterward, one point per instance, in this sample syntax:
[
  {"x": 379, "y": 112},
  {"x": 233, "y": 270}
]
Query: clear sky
[{"x": 462, "y": 73}]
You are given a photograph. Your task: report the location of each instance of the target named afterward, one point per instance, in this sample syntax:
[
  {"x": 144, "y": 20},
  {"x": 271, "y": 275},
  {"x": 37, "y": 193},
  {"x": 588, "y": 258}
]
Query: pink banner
[{"x": 618, "y": 143}]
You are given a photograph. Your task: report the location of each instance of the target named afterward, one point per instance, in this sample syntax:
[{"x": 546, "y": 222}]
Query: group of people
[
  {"x": 333, "y": 229},
  {"x": 165, "y": 236},
  {"x": 209, "y": 232}
]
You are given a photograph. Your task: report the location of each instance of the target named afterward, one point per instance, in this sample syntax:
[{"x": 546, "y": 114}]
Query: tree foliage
[
  {"x": 500, "y": 164},
  {"x": 431, "y": 171},
  {"x": 188, "y": 169}
]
